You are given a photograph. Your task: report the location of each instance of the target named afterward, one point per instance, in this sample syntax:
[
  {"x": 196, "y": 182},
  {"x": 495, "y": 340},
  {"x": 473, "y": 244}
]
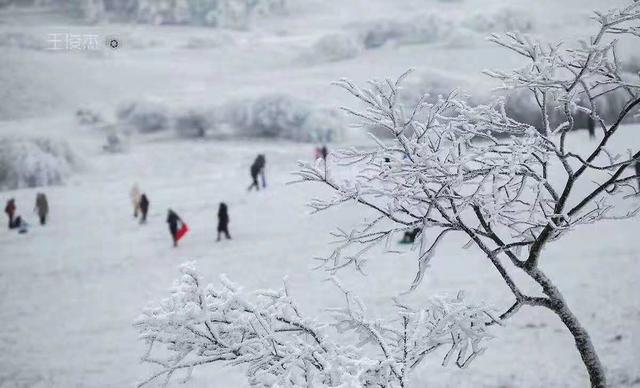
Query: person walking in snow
[
  {"x": 257, "y": 168},
  {"x": 223, "y": 221},
  {"x": 134, "y": 194},
  {"x": 10, "y": 210},
  {"x": 173, "y": 220},
  {"x": 42, "y": 207},
  {"x": 591, "y": 126},
  {"x": 637, "y": 166},
  {"x": 144, "y": 208},
  {"x": 324, "y": 151}
]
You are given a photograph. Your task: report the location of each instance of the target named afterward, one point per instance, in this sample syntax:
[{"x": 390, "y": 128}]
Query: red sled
[{"x": 182, "y": 231}]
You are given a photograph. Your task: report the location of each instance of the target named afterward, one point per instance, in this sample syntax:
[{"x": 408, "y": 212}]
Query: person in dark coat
[
  {"x": 591, "y": 126},
  {"x": 173, "y": 220},
  {"x": 324, "y": 151},
  {"x": 410, "y": 236},
  {"x": 42, "y": 207},
  {"x": 144, "y": 208},
  {"x": 223, "y": 221},
  {"x": 257, "y": 168},
  {"x": 10, "y": 210},
  {"x": 637, "y": 166}
]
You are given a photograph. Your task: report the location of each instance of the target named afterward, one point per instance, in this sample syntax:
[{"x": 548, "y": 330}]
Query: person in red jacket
[{"x": 10, "y": 209}]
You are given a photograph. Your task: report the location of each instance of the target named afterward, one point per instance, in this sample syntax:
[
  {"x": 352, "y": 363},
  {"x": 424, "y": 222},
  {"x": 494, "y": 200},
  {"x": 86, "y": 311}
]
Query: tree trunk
[
  {"x": 582, "y": 339},
  {"x": 583, "y": 344}
]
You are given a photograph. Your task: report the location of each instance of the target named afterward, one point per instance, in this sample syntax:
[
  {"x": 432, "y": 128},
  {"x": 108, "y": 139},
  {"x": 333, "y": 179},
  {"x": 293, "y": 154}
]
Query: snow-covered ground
[{"x": 70, "y": 291}]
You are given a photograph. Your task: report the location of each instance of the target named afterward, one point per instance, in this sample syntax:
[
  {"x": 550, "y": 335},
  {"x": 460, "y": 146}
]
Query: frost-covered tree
[
  {"x": 452, "y": 167},
  {"x": 448, "y": 167}
]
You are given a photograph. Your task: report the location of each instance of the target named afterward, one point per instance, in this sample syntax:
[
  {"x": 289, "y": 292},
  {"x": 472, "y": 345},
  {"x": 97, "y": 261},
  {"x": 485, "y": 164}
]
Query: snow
[{"x": 70, "y": 291}]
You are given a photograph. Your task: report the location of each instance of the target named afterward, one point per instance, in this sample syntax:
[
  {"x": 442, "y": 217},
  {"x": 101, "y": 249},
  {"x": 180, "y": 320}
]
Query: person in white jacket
[{"x": 135, "y": 199}]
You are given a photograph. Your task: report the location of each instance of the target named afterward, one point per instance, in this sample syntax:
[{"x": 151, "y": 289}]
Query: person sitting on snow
[{"x": 410, "y": 236}]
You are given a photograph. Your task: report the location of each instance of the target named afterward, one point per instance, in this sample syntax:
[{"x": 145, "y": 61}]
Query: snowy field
[{"x": 70, "y": 291}]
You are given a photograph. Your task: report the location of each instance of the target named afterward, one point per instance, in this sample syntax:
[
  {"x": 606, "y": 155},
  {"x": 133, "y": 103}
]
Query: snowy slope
[{"x": 70, "y": 291}]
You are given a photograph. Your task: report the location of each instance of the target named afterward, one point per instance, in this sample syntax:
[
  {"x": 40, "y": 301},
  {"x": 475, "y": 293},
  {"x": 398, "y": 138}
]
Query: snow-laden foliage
[
  {"x": 236, "y": 14},
  {"x": 455, "y": 167},
  {"x": 284, "y": 117},
  {"x": 265, "y": 333},
  {"x": 115, "y": 141},
  {"x": 22, "y": 40},
  {"x": 519, "y": 104},
  {"x": 144, "y": 116},
  {"x": 276, "y": 116},
  {"x": 194, "y": 123},
  {"x": 425, "y": 28},
  {"x": 33, "y": 162},
  {"x": 503, "y": 20},
  {"x": 334, "y": 47}
]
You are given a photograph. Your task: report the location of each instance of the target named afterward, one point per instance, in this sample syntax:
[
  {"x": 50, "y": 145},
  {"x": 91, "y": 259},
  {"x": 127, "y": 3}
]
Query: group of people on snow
[
  {"x": 141, "y": 204},
  {"x": 17, "y": 222},
  {"x": 177, "y": 227}
]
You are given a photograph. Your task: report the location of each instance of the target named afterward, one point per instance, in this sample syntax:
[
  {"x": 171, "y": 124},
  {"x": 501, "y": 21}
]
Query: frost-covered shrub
[
  {"x": 334, "y": 47},
  {"x": 322, "y": 126},
  {"x": 505, "y": 19},
  {"x": 237, "y": 14},
  {"x": 163, "y": 11},
  {"x": 265, "y": 333},
  {"x": 426, "y": 28},
  {"x": 521, "y": 105},
  {"x": 21, "y": 40},
  {"x": 193, "y": 123},
  {"x": 208, "y": 42},
  {"x": 144, "y": 116},
  {"x": 281, "y": 116},
  {"x": 276, "y": 116},
  {"x": 116, "y": 141},
  {"x": 87, "y": 117},
  {"x": 34, "y": 162},
  {"x": 631, "y": 65}
]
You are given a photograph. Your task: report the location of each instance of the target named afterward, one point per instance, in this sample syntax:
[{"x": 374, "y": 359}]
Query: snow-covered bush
[
  {"x": 116, "y": 142},
  {"x": 208, "y": 42},
  {"x": 334, "y": 47},
  {"x": 265, "y": 333},
  {"x": 236, "y": 14},
  {"x": 144, "y": 116},
  {"x": 193, "y": 123},
  {"x": 88, "y": 117},
  {"x": 163, "y": 11},
  {"x": 34, "y": 162},
  {"x": 282, "y": 116},
  {"x": 425, "y": 28},
  {"x": 503, "y": 20},
  {"x": 21, "y": 40}
]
